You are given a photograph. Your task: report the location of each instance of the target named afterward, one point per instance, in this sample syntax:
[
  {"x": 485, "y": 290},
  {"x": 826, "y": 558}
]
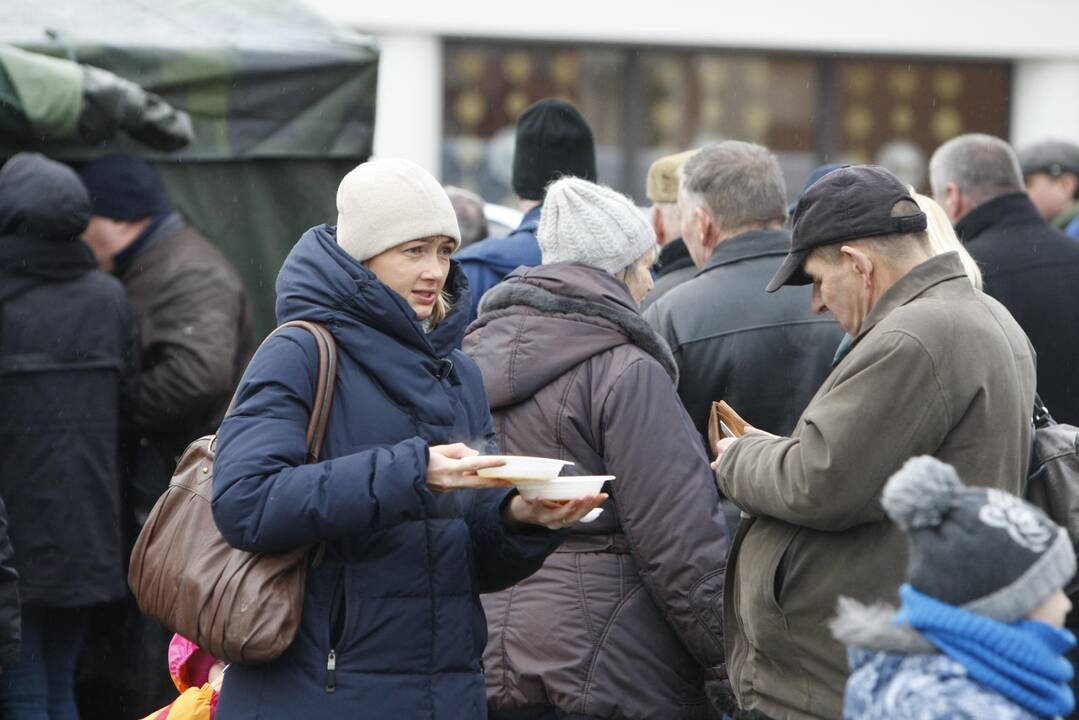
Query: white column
[
  {"x": 1045, "y": 101},
  {"x": 408, "y": 109}
]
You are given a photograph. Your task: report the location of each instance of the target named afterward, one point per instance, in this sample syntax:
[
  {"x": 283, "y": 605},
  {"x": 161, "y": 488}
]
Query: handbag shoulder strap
[{"x": 327, "y": 376}]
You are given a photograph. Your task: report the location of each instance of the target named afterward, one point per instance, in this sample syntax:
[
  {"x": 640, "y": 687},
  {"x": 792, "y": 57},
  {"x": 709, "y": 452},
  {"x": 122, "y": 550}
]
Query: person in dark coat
[
  {"x": 392, "y": 625},
  {"x": 553, "y": 139},
  {"x": 193, "y": 316},
  {"x": 764, "y": 354},
  {"x": 195, "y": 335},
  {"x": 625, "y": 619},
  {"x": 10, "y": 621},
  {"x": 1031, "y": 268},
  {"x": 67, "y": 376}
]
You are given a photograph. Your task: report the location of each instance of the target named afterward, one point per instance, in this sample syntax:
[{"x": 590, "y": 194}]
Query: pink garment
[{"x": 189, "y": 665}]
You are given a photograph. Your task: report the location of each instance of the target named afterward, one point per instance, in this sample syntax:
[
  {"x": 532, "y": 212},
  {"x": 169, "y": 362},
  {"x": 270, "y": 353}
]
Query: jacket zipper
[
  {"x": 338, "y": 616},
  {"x": 331, "y": 670}
]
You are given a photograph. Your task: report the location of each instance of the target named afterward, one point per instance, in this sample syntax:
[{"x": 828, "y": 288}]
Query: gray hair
[
  {"x": 740, "y": 183},
  {"x": 468, "y": 206},
  {"x": 982, "y": 167}
]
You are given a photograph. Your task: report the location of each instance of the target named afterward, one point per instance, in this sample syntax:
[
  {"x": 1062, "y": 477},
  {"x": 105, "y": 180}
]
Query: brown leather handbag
[{"x": 238, "y": 606}]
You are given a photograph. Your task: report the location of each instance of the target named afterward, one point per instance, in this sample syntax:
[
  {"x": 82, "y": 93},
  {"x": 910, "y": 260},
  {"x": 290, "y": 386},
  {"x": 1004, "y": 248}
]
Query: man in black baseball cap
[{"x": 935, "y": 367}]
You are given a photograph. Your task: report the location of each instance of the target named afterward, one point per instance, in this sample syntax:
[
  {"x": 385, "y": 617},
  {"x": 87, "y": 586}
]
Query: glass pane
[
  {"x": 694, "y": 98},
  {"x": 488, "y": 85},
  {"x": 896, "y": 113}
]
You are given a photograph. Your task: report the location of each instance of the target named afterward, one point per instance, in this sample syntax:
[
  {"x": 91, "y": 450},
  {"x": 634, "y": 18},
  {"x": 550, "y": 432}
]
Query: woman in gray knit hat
[
  {"x": 625, "y": 619},
  {"x": 979, "y": 633}
]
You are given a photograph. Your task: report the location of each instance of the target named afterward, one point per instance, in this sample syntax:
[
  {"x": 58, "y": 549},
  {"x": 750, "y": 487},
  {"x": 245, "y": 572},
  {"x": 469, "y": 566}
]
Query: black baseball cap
[{"x": 851, "y": 203}]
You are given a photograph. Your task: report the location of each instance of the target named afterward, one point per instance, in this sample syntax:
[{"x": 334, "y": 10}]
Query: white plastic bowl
[
  {"x": 519, "y": 468},
  {"x": 563, "y": 488}
]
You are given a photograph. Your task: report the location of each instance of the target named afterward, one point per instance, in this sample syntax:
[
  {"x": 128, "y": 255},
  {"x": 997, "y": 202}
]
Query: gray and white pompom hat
[{"x": 980, "y": 549}]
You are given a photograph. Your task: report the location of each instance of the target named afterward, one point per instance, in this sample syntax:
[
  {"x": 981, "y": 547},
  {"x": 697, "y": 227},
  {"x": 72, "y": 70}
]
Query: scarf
[{"x": 1023, "y": 661}]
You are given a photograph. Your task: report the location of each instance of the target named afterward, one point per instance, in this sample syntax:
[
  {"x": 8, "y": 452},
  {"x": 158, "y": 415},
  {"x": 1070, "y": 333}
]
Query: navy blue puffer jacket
[{"x": 395, "y": 601}]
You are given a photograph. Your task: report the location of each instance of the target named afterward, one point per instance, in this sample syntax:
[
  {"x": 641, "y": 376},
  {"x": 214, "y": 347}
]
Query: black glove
[{"x": 112, "y": 103}]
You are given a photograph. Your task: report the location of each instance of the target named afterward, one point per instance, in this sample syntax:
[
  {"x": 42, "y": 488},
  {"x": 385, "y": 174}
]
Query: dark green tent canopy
[
  {"x": 260, "y": 79},
  {"x": 281, "y": 100}
]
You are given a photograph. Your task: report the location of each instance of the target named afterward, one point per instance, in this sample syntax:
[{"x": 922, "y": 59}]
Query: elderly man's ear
[
  {"x": 861, "y": 263},
  {"x": 657, "y": 226}
]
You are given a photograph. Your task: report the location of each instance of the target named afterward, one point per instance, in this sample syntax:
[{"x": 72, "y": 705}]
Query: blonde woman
[{"x": 392, "y": 625}]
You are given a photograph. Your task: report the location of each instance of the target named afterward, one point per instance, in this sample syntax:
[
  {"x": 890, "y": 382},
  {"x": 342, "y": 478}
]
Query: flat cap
[{"x": 661, "y": 185}]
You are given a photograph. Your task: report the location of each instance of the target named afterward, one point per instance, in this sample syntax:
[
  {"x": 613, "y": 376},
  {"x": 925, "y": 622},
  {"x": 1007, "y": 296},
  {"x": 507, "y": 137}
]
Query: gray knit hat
[
  {"x": 1053, "y": 157},
  {"x": 592, "y": 224},
  {"x": 384, "y": 203},
  {"x": 981, "y": 549}
]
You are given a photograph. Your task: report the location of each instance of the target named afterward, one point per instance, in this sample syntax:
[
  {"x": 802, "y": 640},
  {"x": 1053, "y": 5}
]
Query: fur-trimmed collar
[
  {"x": 499, "y": 300},
  {"x": 871, "y": 627}
]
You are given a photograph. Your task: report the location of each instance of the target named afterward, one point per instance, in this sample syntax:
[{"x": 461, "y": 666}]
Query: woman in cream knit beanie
[
  {"x": 594, "y": 225},
  {"x": 409, "y": 419},
  {"x": 384, "y": 208}
]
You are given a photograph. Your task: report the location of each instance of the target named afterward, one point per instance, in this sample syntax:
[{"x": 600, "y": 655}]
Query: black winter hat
[
  {"x": 850, "y": 203},
  {"x": 553, "y": 140},
  {"x": 978, "y": 548},
  {"x": 124, "y": 187}
]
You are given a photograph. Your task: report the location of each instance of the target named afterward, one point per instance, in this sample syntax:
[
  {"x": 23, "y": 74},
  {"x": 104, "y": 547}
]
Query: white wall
[
  {"x": 1045, "y": 101},
  {"x": 980, "y": 28},
  {"x": 408, "y": 107}
]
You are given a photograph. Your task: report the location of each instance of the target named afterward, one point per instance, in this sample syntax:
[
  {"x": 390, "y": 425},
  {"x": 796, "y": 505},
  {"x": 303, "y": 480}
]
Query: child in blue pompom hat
[{"x": 979, "y": 632}]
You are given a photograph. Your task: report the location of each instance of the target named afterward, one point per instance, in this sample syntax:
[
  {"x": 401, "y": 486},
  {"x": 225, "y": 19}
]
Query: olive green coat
[{"x": 938, "y": 368}]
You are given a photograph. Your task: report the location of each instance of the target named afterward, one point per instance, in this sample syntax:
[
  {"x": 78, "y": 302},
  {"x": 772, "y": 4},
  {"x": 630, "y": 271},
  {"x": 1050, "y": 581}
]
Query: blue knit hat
[{"x": 124, "y": 187}]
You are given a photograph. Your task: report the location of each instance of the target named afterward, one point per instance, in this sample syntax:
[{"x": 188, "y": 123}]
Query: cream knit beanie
[
  {"x": 383, "y": 203},
  {"x": 592, "y": 224}
]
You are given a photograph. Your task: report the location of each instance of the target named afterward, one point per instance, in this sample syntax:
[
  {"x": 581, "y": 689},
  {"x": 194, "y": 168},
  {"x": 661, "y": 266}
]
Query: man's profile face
[
  {"x": 688, "y": 226},
  {"x": 1051, "y": 195},
  {"x": 838, "y": 288},
  {"x": 101, "y": 236}
]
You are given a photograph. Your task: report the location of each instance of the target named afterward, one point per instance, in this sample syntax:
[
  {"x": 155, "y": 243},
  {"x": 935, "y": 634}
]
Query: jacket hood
[
  {"x": 42, "y": 198},
  {"x": 319, "y": 281},
  {"x": 544, "y": 321}
]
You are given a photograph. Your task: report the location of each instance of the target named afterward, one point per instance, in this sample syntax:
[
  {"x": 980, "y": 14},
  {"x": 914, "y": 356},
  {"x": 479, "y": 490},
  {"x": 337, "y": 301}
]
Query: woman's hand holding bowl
[{"x": 453, "y": 467}]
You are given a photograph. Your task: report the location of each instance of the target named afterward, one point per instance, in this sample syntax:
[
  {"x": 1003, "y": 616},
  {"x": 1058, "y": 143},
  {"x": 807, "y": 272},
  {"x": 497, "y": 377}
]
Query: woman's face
[
  {"x": 638, "y": 276},
  {"x": 416, "y": 270}
]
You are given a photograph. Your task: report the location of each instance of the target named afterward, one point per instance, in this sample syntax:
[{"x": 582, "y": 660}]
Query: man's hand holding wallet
[{"x": 725, "y": 426}]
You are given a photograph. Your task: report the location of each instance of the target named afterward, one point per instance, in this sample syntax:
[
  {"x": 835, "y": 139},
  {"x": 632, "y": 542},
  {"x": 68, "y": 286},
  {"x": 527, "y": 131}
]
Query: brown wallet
[{"x": 723, "y": 422}]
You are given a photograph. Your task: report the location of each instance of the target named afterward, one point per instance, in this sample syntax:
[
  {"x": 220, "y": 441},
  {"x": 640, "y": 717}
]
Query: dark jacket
[
  {"x": 488, "y": 262},
  {"x": 195, "y": 337},
  {"x": 1033, "y": 270},
  {"x": 10, "y": 617},
  {"x": 764, "y": 353},
  {"x": 396, "y": 598},
  {"x": 937, "y": 368},
  {"x": 624, "y": 620},
  {"x": 67, "y": 373},
  {"x": 674, "y": 267}
]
